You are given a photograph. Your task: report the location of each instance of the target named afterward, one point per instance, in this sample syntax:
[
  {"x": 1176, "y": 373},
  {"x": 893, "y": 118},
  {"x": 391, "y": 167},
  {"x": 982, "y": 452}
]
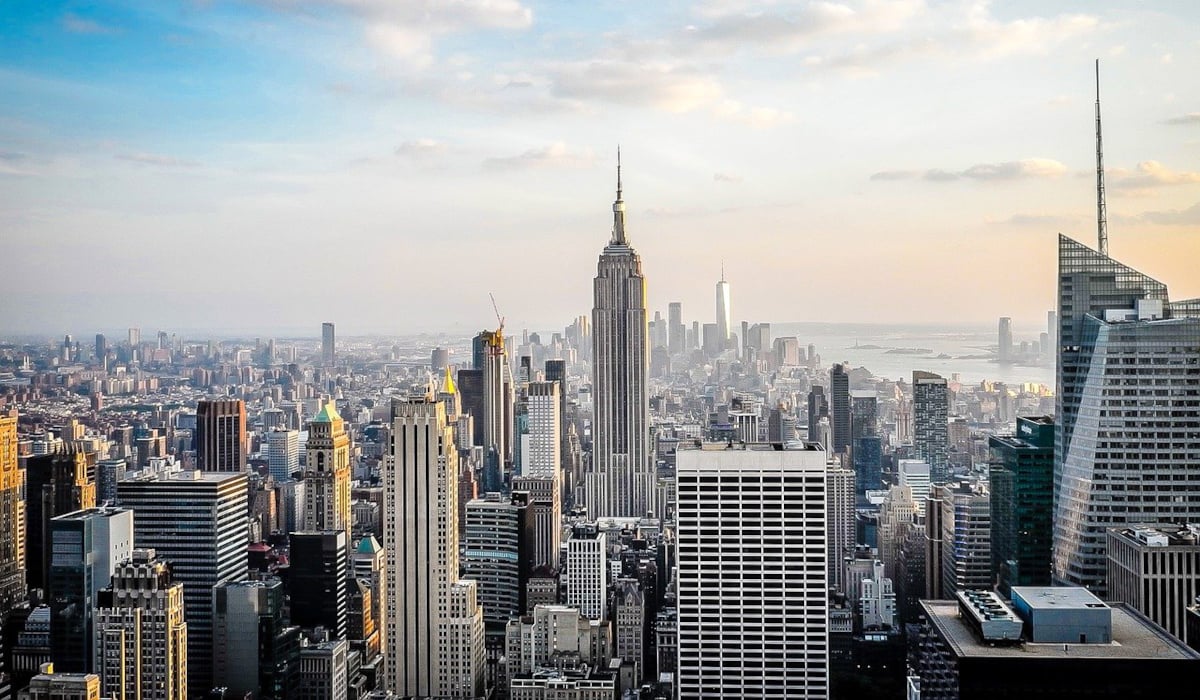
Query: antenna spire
[
  {"x": 1101, "y": 209},
  {"x": 618, "y": 233}
]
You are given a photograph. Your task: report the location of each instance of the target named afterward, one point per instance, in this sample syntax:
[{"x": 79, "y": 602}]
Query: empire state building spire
[{"x": 618, "y": 234}]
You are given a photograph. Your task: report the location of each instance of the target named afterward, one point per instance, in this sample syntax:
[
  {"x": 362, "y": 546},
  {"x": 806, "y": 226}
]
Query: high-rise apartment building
[
  {"x": 495, "y": 431},
  {"x": 762, "y": 630},
  {"x": 221, "y": 435},
  {"x": 12, "y": 517},
  {"x": 1126, "y": 409},
  {"x": 283, "y": 454},
  {"x": 931, "y": 437},
  {"x": 198, "y": 522},
  {"x": 722, "y": 311},
  {"x": 141, "y": 638},
  {"x": 966, "y": 537},
  {"x": 587, "y": 572},
  {"x": 543, "y": 451},
  {"x": 621, "y": 480},
  {"x": 1021, "y": 481},
  {"x": 839, "y": 408},
  {"x": 434, "y": 627},
  {"x": 840, "y": 521},
  {"x": 327, "y": 473},
  {"x": 328, "y": 351},
  {"x": 86, "y": 546}
]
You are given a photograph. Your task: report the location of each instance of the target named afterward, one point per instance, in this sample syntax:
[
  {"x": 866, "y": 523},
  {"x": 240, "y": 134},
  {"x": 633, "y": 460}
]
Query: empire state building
[{"x": 620, "y": 481}]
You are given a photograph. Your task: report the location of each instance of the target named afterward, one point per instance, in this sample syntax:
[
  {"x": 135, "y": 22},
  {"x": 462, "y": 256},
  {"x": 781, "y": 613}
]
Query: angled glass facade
[{"x": 1127, "y": 444}]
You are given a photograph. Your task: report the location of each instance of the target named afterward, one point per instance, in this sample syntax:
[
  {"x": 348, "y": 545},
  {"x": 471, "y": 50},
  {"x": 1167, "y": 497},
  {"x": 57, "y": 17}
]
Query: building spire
[
  {"x": 618, "y": 233},
  {"x": 1101, "y": 209},
  {"x": 722, "y": 269}
]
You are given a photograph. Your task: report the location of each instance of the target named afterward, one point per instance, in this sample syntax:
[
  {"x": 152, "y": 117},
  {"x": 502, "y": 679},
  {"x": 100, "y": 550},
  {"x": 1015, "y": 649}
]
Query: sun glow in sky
[{"x": 272, "y": 164}]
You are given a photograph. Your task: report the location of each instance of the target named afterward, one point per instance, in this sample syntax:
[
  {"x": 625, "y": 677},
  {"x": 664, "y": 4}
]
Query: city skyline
[{"x": 369, "y": 154}]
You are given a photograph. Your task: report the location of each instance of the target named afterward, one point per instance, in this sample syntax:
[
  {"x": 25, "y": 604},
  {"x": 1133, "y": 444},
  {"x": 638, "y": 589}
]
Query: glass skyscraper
[
  {"x": 1127, "y": 443},
  {"x": 1020, "y": 476}
]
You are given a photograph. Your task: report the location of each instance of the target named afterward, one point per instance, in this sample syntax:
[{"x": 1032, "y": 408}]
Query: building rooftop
[
  {"x": 1133, "y": 637},
  {"x": 1160, "y": 535},
  {"x": 1058, "y": 598}
]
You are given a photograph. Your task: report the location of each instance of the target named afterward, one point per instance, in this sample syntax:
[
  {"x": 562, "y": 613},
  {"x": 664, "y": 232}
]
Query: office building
[
  {"x": 327, "y": 473},
  {"x": 896, "y": 515},
  {"x": 12, "y": 517},
  {"x": 1123, "y": 407},
  {"x": 621, "y": 479},
  {"x": 763, "y": 505},
  {"x": 840, "y": 520},
  {"x": 1005, "y": 352},
  {"x": 434, "y": 630},
  {"x": 1051, "y": 642},
  {"x": 931, "y": 438},
  {"x": 498, "y": 555},
  {"x": 587, "y": 572},
  {"x": 915, "y": 474},
  {"x": 328, "y": 351},
  {"x": 876, "y": 600},
  {"x": 369, "y": 564},
  {"x": 221, "y": 435},
  {"x": 544, "y": 494},
  {"x": 722, "y": 311},
  {"x": 629, "y": 625},
  {"x": 1156, "y": 569},
  {"x": 283, "y": 454},
  {"x": 87, "y": 546},
  {"x": 55, "y": 484},
  {"x": 818, "y": 408},
  {"x": 1021, "y": 481},
  {"x": 966, "y": 537},
  {"x": 324, "y": 671},
  {"x": 255, "y": 652},
  {"x": 868, "y": 466},
  {"x": 317, "y": 582},
  {"x": 839, "y": 408},
  {"x": 141, "y": 638},
  {"x": 676, "y": 331},
  {"x": 197, "y": 522},
  {"x": 53, "y": 685}
]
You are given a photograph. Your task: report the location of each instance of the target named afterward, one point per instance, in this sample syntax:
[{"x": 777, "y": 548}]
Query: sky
[{"x": 271, "y": 164}]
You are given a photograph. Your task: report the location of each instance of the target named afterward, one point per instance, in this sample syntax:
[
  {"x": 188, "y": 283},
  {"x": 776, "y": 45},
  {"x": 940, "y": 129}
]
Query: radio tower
[{"x": 1101, "y": 213}]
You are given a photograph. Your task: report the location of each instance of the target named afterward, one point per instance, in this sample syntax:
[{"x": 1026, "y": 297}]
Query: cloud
[
  {"x": 727, "y": 177},
  {"x": 74, "y": 24},
  {"x": 420, "y": 148},
  {"x": 755, "y": 117},
  {"x": 665, "y": 86},
  {"x": 556, "y": 155},
  {"x": 156, "y": 159},
  {"x": 1149, "y": 173},
  {"x": 1173, "y": 217},
  {"x": 1030, "y": 168},
  {"x": 1189, "y": 119}
]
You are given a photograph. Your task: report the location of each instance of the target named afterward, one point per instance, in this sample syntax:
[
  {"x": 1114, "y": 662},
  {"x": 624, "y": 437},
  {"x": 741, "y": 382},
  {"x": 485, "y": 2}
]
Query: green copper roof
[
  {"x": 368, "y": 545},
  {"x": 328, "y": 414}
]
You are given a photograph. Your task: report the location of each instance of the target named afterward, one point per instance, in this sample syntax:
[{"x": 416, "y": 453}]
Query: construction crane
[{"x": 497, "y": 346}]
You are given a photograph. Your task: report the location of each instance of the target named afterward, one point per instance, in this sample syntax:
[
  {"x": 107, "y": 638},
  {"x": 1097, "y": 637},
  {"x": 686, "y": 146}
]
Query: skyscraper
[
  {"x": 197, "y": 521},
  {"x": 12, "y": 517},
  {"x": 55, "y": 484},
  {"x": 327, "y": 473},
  {"x": 931, "y": 438},
  {"x": 283, "y": 453},
  {"x": 369, "y": 564},
  {"x": 722, "y": 311},
  {"x": 1021, "y": 480},
  {"x": 676, "y": 331},
  {"x": 621, "y": 480},
  {"x": 86, "y": 547},
  {"x": 141, "y": 636},
  {"x": 1126, "y": 409},
  {"x": 587, "y": 573},
  {"x": 761, "y": 630},
  {"x": 221, "y": 435},
  {"x": 839, "y": 408},
  {"x": 840, "y": 520},
  {"x": 255, "y": 651},
  {"x": 818, "y": 408},
  {"x": 495, "y": 429},
  {"x": 434, "y": 628},
  {"x": 1006, "y": 342},
  {"x": 328, "y": 352},
  {"x": 317, "y": 581}
]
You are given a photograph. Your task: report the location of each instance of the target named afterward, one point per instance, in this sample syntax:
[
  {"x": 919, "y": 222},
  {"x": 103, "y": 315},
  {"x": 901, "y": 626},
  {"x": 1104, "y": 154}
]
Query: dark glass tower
[
  {"x": 839, "y": 407},
  {"x": 1020, "y": 476}
]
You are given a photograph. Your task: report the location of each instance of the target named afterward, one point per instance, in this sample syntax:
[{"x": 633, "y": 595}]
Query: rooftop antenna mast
[{"x": 1101, "y": 209}]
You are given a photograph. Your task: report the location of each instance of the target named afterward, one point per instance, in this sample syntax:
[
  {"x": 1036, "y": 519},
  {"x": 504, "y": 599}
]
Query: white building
[
  {"x": 877, "y": 600},
  {"x": 914, "y": 473},
  {"x": 531, "y": 641},
  {"x": 283, "y": 453},
  {"x": 840, "y": 521},
  {"x": 587, "y": 573},
  {"x": 751, "y": 572},
  {"x": 434, "y": 627}
]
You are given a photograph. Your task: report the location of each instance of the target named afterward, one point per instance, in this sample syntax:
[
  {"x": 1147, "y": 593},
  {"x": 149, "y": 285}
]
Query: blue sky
[{"x": 276, "y": 163}]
